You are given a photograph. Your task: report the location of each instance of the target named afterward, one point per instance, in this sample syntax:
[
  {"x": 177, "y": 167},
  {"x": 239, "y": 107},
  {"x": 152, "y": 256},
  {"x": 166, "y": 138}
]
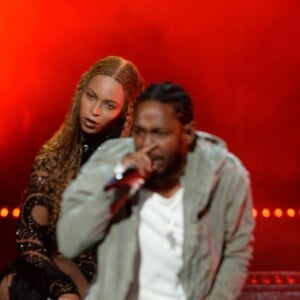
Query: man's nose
[{"x": 148, "y": 139}]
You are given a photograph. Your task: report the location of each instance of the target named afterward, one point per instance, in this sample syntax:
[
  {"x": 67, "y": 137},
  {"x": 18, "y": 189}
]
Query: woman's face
[{"x": 101, "y": 102}]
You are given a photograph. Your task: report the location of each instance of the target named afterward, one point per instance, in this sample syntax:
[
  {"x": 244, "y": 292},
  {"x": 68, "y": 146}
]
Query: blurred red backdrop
[{"x": 238, "y": 59}]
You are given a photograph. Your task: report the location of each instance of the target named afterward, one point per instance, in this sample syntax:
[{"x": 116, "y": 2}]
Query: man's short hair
[{"x": 172, "y": 94}]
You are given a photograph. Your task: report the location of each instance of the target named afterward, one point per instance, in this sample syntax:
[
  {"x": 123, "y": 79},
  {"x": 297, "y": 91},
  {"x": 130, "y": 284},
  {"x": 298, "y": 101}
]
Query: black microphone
[{"x": 130, "y": 177}]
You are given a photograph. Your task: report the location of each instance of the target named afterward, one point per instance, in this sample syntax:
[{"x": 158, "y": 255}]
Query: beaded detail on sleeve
[
  {"x": 87, "y": 262},
  {"x": 35, "y": 235}
]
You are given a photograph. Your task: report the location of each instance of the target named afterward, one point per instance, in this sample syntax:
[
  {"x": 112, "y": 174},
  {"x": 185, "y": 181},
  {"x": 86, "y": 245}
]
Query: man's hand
[{"x": 140, "y": 160}]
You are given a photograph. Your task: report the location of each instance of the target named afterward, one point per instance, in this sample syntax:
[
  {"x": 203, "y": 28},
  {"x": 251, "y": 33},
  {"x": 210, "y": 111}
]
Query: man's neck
[{"x": 165, "y": 188}]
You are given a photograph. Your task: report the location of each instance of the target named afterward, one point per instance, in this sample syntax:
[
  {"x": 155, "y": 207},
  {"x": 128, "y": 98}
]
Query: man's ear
[{"x": 189, "y": 132}]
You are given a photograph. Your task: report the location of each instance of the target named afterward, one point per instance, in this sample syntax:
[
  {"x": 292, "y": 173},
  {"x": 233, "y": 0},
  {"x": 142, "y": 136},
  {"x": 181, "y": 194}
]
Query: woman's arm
[{"x": 36, "y": 238}]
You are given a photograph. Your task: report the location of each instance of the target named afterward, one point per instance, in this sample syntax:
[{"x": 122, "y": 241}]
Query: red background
[{"x": 238, "y": 59}]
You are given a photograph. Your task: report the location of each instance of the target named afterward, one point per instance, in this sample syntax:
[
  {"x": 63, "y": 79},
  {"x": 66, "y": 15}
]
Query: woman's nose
[{"x": 96, "y": 109}]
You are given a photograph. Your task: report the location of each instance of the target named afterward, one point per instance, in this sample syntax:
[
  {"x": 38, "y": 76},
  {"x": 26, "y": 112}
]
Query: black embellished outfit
[{"x": 36, "y": 276}]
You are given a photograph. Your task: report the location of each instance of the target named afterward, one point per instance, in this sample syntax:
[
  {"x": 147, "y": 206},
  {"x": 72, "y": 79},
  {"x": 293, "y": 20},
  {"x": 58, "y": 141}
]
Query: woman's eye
[
  {"x": 110, "y": 106},
  {"x": 90, "y": 95}
]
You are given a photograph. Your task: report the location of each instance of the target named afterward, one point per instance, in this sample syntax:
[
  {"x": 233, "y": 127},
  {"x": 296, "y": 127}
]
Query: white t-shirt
[{"x": 161, "y": 240}]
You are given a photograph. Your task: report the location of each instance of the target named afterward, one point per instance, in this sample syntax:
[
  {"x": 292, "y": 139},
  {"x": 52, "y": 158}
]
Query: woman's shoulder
[{"x": 45, "y": 158}]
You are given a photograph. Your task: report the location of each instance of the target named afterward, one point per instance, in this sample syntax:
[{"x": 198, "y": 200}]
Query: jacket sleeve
[
  {"x": 238, "y": 236},
  {"x": 86, "y": 208},
  {"x": 35, "y": 238}
]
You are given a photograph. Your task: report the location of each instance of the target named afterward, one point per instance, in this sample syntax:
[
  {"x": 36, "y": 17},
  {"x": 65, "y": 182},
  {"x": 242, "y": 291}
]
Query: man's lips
[{"x": 156, "y": 161}]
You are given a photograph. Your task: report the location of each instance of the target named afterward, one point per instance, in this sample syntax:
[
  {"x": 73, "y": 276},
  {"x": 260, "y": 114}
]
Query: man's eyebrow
[{"x": 137, "y": 126}]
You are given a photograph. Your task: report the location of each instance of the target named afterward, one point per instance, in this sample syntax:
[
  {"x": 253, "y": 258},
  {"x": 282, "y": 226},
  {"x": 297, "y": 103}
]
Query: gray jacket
[{"x": 218, "y": 222}]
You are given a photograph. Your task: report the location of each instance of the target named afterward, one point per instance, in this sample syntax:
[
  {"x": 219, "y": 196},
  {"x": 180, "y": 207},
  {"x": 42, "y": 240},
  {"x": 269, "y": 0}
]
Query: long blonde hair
[{"x": 66, "y": 144}]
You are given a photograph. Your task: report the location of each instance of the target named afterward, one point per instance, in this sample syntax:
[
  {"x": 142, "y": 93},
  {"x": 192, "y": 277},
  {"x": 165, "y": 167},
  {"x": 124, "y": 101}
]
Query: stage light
[
  {"x": 291, "y": 212},
  {"x": 266, "y": 280},
  {"x": 291, "y": 280},
  {"x": 4, "y": 212},
  {"x": 253, "y": 281},
  {"x": 278, "y": 279},
  {"x": 254, "y": 212},
  {"x": 16, "y": 212},
  {"x": 278, "y": 212},
  {"x": 266, "y": 213}
]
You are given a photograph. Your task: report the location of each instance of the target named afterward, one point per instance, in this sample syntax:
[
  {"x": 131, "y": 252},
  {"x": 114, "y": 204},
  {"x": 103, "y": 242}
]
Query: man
[{"x": 183, "y": 229}]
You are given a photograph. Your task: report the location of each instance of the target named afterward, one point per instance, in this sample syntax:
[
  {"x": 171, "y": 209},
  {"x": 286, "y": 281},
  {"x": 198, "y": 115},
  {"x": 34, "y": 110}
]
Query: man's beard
[{"x": 172, "y": 172}]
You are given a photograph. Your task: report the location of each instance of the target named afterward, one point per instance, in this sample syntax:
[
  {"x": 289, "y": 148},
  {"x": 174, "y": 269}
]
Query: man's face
[{"x": 156, "y": 123}]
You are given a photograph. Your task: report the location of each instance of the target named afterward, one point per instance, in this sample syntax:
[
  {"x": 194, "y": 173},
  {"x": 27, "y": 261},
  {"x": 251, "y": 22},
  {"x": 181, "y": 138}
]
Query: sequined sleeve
[
  {"x": 86, "y": 261},
  {"x": 36, "y": 237}
]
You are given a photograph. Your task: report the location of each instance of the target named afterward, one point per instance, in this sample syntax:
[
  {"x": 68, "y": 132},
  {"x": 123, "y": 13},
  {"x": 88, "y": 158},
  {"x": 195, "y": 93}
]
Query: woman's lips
[{"x": 90, "y": 123}]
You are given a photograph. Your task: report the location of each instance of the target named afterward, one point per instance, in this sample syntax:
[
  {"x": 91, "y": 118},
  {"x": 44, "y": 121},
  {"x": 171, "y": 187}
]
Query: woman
[{"x": 102, "y": 108}]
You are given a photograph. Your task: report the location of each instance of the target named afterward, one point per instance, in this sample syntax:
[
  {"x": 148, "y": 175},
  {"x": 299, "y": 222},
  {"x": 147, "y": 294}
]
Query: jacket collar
[{"x": 203, "y": 168}]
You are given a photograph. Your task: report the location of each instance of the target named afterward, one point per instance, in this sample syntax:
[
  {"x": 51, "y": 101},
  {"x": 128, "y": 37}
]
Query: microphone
[{"x": 130, "y": 177}]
